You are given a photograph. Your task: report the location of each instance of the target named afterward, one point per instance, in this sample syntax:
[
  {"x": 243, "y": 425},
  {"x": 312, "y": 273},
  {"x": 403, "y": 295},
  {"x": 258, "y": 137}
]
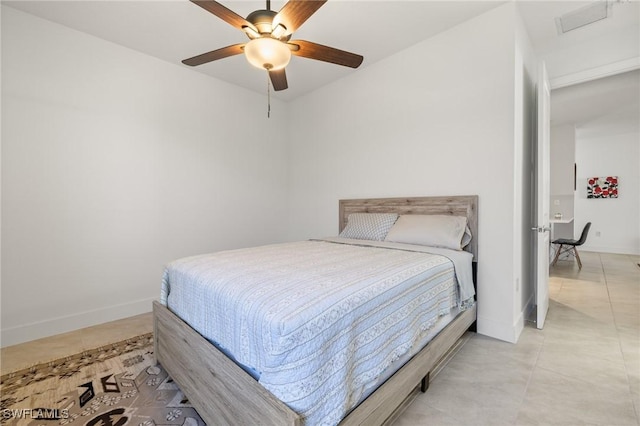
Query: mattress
[{"x": 319, "y": 323}]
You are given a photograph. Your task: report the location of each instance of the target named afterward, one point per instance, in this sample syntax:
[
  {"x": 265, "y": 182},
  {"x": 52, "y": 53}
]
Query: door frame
[
  {"x": 595, "y": 73},
  {"x": 541, "y": 182},
  {"x": 583, "y": 77}
]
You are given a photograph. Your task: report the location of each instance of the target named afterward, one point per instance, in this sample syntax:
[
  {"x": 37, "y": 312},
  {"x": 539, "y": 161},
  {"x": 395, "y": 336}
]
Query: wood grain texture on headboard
[{"x": 458, "y": 205}]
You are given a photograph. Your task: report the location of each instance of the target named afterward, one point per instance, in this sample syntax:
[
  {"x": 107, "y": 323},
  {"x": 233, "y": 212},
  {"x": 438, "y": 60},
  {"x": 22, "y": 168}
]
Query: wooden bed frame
[{"x": 224, "y": 394}]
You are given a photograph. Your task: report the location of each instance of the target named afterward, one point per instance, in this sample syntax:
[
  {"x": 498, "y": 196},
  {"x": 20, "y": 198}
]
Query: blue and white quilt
[{"x": 319, "y": 321}]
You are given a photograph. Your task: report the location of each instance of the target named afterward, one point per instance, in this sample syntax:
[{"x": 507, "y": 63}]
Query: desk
[
  {"x": 561, "y": 224},
  {"x": 563, "y": 220},
  {"x": 554, "y": 222}
]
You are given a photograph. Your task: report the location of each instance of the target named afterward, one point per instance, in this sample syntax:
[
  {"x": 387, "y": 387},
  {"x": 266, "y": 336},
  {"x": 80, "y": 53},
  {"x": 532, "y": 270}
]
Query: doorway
[
  {"x": 595, "y": 129},
  {"x": 571, "y": 168}
]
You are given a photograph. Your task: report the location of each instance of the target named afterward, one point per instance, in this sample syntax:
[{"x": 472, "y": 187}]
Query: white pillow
[
  {"x": 466, "y": 237},
  {"x": 431, "y": 230},
  {"x": 368, "y": 226}
]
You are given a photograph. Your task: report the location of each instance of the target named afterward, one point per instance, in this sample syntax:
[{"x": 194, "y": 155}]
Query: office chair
[{"x": 571, "y": 245}]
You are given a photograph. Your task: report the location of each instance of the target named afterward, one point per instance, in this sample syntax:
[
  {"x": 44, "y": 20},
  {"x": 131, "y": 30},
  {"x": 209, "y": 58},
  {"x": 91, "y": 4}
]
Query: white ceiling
[
  {"x": 539, "y": 18},
  {"x": 173, "y": 30},
  {"x": 613, "y": 101}
]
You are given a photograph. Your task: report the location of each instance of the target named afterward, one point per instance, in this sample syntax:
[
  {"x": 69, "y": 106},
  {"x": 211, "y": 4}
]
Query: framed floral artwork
[{"x": 602, "y": 187}]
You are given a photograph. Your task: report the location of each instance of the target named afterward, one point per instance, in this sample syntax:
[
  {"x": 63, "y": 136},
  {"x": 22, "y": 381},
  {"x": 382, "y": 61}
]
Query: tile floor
[{"x": 583, "y": 368}]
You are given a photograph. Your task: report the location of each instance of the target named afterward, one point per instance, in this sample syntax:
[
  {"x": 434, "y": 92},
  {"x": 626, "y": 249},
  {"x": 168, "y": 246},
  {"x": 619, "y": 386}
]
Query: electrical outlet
[
  {"x": 556, "y": 202},
  {"x": 597, "y": 233}
]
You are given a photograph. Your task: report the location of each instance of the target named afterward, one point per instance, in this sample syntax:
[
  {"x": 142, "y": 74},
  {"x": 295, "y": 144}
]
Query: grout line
[
  {"x": 606, "y": 285},
  {"x": 624, "y": 363},
  {"x": 535, "y": 366},
  {"x": 530, "y": 378},
  {"x": 636, "y": 407}
]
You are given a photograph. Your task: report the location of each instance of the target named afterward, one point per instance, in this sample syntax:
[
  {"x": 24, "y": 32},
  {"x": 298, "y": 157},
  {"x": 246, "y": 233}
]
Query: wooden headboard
[{"x": 464, "y": 205}]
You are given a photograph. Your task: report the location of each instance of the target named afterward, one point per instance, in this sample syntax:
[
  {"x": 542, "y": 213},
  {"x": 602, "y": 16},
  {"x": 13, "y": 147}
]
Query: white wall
[
  {"x": 615, "y": 222},
  {"x": 563, "y": 153},
  {"x": 525, "y": 116},
  {"x": 563, "y": 157},
  {"x": 114, "y": 163},
  {"x": 173, "y": 171},
  {"x": 434, "y": 119}
]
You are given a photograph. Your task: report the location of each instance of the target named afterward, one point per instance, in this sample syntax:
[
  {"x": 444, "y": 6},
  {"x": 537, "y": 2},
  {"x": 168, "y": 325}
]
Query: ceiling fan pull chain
[{"x": 268, "y": 96}]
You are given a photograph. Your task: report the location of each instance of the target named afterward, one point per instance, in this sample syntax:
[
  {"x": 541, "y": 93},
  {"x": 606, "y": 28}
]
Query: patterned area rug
[{"x": 114, "y": 385}]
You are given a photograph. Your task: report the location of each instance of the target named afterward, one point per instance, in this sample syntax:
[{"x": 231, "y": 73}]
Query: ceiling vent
[{"x": 586, "y": 15}]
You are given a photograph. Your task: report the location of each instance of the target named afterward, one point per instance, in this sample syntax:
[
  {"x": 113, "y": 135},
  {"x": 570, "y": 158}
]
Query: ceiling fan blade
[
  {"x": 310, "y": 50},
  {"x": 295, "y": 13},
  {"x": 278, "y": 79},
  {"x": 234, "y": 49},
  {"x": 224, "y": 13}
]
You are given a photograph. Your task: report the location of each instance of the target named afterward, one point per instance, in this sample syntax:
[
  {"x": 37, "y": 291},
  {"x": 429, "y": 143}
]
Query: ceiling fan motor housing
[{"x": 262, "y": 20}]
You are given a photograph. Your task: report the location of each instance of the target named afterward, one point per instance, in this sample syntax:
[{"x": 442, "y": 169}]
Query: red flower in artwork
[{"x": 602, "y": 187}]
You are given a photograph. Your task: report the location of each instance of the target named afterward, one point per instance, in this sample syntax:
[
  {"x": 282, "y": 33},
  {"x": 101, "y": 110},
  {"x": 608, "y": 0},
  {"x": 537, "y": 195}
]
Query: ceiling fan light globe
[{"x": 267, "y": 53}]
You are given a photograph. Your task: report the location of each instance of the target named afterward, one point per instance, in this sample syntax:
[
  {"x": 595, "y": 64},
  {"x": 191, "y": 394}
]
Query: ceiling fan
[{"x": 270, "y": 46}]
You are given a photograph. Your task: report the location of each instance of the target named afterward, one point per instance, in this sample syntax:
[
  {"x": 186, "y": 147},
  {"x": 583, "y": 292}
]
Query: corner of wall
[
  {"x": 525, "y": 73},
  {"x": 50, "y": 327}
]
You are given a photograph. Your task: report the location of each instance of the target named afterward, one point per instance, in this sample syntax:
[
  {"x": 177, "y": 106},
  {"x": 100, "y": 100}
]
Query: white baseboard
[
  {"x": 525, "y": 314},
  {"x": 613, "y": 250},
  {"x": 507, "y": 333},
  {"x": 518, "y": 326},
  {"x": 530, "y": 308},
  {"x": 37, "y": 330}
]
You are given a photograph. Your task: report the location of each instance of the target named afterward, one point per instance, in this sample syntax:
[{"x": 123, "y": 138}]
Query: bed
[{"x": 218, "y": 375}]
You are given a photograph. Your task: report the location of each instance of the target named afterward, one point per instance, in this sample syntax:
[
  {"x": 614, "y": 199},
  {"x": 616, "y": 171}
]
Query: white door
[{"x": 542, "y": 178}]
